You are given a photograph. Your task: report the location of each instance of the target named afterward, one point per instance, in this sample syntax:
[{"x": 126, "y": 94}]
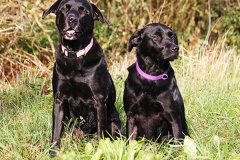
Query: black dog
[
  {"x": 82, "y": 86},
  {"x": 152, "y": 100}
]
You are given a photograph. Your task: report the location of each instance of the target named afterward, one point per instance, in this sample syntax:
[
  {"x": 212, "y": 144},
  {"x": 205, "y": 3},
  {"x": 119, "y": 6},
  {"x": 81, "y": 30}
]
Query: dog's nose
[
  {"x": 175, "y": 48},
  {"x": 72, "y": 19}
]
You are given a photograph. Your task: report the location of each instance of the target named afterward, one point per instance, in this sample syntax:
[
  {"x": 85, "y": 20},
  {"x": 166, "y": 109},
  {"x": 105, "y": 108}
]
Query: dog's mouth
[
  {"x": 70, "y": 34},
  {"x": 172, "y": 58}
]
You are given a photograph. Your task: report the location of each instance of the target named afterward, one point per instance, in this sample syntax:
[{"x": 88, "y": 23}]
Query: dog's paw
[{"x": 52, "y": 153}]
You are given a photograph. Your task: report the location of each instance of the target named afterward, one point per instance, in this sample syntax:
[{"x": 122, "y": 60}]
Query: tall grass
[{"x": 210, "y": 87}]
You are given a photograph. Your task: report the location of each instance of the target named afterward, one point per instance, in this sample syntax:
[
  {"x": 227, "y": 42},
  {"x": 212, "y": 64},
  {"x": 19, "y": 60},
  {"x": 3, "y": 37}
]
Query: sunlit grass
[{"x": 208, "y": 79}]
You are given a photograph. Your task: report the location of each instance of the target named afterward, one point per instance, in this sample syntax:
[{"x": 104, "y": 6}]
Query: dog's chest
[
  {"x": 147, "y": 106},
  {"x": 80, "y": 93},
  {"x": 81, "y": 105},
  {"x": 148, "y": 113}
]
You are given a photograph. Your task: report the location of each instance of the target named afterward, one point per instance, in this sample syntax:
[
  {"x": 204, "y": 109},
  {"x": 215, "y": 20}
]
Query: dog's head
[
  {"x": 157, "y": 41},
  {"x": 75, "y": 18}
]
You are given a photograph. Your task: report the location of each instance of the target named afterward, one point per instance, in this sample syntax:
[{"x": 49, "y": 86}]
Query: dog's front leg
[
  {"x": 101, "y": 119},
  {"x": 177, "y": 128},
  {"x": 57, "y": 127},
  {"x": 132, "y": 130}
]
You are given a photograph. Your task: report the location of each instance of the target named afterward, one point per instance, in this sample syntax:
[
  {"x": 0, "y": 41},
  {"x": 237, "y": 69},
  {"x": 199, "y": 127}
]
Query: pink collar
[
  {"x": 80, "y": 52},
  {"x": 163, "y": 76}
]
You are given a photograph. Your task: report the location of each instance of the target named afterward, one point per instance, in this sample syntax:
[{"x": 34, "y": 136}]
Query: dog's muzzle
[{"x": 70, "y": 34}]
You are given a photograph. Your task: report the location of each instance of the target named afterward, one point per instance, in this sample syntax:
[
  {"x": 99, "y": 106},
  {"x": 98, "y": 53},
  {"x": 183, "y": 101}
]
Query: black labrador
[
  {"x": 83, "y": 89},
  {"x": 152, "y": 100}
]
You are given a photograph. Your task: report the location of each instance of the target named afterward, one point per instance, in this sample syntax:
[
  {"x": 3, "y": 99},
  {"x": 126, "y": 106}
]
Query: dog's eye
[
  {"x": 66, "y": 8},
  {"x": 82, "y": 11},
  {"x": 172, "y": 35},
  {"x": 156, "y": 37}
]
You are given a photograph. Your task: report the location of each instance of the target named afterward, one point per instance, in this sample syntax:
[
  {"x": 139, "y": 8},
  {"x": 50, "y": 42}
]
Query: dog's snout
[{"x": 175, "y": 48}]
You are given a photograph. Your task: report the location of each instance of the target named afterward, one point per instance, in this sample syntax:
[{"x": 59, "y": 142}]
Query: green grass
[
  {"x": 208, "y": 79},
  {"x": 25, "y": 123}
]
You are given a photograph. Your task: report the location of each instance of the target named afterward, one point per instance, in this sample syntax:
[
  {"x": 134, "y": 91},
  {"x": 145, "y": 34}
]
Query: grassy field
[
  {"x": 209, "y": 82},
  {"x": 208, "y": 76}
]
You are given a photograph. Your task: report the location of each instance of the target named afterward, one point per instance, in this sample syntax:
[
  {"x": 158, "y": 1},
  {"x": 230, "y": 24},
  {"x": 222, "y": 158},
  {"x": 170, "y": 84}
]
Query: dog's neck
[
  {"x": 70, "y": 50},
  {"x": 152, "y": 66},
  {"x": 162, "y": 76}
]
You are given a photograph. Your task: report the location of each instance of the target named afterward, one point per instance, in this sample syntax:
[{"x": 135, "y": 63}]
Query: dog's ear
[
  {"x": 97, "y": 15},
  {"x": 52, "y": 9},
  {"x": 135, "y": 39}
]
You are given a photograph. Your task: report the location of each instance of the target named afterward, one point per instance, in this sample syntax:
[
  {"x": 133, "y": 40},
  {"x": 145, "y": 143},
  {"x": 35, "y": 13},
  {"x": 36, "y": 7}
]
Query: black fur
[
  {"x": 154, "y": 109},
  {"x": 82, "y": 86}
]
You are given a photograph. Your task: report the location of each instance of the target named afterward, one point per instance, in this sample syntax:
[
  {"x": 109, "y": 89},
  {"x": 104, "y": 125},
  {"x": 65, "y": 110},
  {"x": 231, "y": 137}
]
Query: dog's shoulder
[
  {"x": 132, "y": 68},
  {"x": 133, "y": 78}
]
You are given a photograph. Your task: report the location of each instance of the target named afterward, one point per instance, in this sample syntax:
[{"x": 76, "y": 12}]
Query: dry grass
[
  {"x": 28, "y": 42},
  {"x": 215, "y": 61},
  {"x": 20, "y": 35}
]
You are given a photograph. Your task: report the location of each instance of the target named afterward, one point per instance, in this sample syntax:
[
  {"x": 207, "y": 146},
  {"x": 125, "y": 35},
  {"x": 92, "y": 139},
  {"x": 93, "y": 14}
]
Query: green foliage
[{"x": 192, "y": 20}]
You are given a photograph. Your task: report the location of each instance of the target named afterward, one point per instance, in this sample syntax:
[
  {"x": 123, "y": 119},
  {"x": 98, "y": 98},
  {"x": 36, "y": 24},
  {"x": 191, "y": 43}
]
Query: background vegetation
[
  {"x": 28, "y": 42},
  {"x": 207, "y": 73}
]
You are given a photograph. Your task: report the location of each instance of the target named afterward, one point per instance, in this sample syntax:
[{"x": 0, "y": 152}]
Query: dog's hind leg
[{"x": 115, "y": 128}]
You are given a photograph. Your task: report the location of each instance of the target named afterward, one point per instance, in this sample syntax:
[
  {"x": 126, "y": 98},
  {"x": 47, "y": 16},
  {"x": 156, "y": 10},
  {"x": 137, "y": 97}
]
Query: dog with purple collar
[{"x": 152, "y": 100}]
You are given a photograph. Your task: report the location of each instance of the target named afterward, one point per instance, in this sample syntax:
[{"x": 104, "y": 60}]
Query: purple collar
[{"x": 163, "y": 76}]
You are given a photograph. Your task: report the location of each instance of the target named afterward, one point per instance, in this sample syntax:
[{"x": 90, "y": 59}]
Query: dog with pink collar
[{"x": 84, "y": 92}]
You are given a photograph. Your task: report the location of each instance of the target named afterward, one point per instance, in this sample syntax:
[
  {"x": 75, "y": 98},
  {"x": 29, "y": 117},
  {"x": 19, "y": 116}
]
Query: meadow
[{"x": 207, "y": 75}]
